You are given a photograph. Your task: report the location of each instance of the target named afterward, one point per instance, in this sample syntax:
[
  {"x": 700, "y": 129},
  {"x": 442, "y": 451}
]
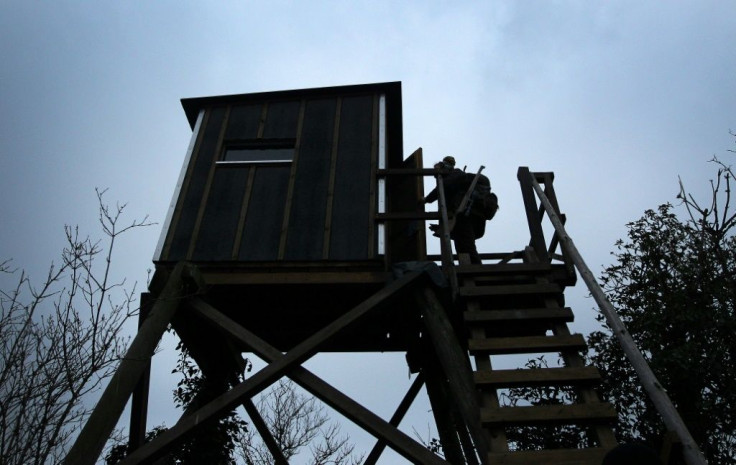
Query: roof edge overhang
[{"x": 192, "y": 106}]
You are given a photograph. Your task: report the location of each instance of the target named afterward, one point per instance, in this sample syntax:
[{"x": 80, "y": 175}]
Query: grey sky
[{"x": 617, "y": 98}]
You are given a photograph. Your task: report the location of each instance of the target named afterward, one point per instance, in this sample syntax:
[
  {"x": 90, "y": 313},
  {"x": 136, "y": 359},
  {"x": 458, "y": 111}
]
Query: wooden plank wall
[{"x": 318, "y": 207}]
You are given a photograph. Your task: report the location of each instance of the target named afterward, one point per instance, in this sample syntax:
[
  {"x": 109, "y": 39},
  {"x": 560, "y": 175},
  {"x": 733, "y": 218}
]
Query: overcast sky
[{"x": 617, "y": 98}]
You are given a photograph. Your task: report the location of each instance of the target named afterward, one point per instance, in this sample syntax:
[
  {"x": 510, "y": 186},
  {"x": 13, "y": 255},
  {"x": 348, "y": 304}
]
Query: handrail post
[
  {"x": 532, "y": 215},
  {"x": 445, "y": 245},
  {"x": 657, "y": 394}
]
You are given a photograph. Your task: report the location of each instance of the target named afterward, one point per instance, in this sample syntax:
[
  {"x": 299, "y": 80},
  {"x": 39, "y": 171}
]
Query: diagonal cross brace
[
  {"x": 352, "y": 410},
  {"x": 282, "y": 364}
]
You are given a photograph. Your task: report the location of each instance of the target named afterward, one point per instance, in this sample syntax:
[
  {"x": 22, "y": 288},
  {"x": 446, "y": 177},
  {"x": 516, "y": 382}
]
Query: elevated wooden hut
[{"x": 281, "y": 204}]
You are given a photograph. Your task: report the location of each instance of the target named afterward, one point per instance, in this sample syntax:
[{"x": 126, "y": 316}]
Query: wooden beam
[
  {"x": 532, "y": 215},
  {"x": 527, "y": 315},
  {"x": 296, "y": 277},
  {"x": 396, "y": 418},
  {"x": 593, "y": 455},
  {"x": 355, "y": 412},
  {"x": 104, "y": 417},
  {"x": 563, "y": 376},
  {"x": 448, "y": 421},
  {"x": 288, "y": 364},
  {"x": 139, "y": 403},
  {"x": 527, "y": 344},
  {"x": 407, "y": 172},
  {"x": 550, "y": 414},
  {"x": 415, "y": 215},
  {"x": 455, "y": 364},
  {"x": 511, "y": 289}
]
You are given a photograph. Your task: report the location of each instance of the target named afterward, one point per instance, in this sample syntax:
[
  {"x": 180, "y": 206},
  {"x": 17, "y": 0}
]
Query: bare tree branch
[{"x": 59, "y": 343}]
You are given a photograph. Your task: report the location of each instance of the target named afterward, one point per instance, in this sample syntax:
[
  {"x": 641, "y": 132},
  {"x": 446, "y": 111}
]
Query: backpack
[{"x": 483, "y": 202}]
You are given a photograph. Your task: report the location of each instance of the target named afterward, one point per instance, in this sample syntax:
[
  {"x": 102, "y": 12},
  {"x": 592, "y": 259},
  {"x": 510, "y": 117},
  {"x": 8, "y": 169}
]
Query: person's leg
[{"x": 463, "y": 236}]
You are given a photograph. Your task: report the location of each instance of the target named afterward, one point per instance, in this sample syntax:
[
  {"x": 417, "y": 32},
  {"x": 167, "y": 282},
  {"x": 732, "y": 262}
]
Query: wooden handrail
[
  {"x": 655, "y": 391},
  {"x": 448, "y": 265}
]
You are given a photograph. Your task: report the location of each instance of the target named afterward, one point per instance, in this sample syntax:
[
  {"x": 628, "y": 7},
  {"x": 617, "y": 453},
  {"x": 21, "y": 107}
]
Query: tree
[
  {"x": 214, "y": 442},
  {"x": 295, "y": 421},
  {"x": 60, "y": 341},
  {"x": 674, "y": 286}
]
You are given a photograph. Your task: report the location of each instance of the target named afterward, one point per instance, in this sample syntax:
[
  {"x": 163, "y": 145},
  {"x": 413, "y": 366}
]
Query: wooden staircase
[{"x": 517, "y": 309}]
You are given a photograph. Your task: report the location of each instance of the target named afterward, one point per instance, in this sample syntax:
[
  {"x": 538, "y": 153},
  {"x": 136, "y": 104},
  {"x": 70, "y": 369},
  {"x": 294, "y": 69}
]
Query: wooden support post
[
  {"x": 96, "y": 431},
  {"x": 448, "y": 425},
  {"x": 288, "y": 365},
  {"x": 456, "y": 365},
  {"x": 530, "y": 205},
  {"x": 445, "y": 243},
  {"x": 396, "y": 418},
  {"x": 139, "y": 403}
]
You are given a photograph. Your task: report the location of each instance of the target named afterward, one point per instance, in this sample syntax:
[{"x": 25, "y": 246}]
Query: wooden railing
[{"x": 657, "y": 394}]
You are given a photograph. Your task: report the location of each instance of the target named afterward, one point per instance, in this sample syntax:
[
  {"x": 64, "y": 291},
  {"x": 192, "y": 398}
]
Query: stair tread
[
  {"x": 548, "y": 414},
  {"x": 517, "y": 314},
  {"x": 592, "y": 455},
  {"x": 503, "y": 268},
  {"x": 559, "y": 376},
  {"x": 510, "y": 289},
  {"x": 526, "y": 344}
]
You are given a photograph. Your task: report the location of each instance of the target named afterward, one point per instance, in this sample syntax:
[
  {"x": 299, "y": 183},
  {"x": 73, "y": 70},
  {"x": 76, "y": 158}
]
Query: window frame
[{"x": 258, "y": 144}]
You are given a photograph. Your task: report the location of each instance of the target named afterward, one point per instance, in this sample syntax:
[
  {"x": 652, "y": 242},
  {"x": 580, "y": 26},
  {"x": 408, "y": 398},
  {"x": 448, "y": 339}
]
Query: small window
[{"x": 260, "y": 151}]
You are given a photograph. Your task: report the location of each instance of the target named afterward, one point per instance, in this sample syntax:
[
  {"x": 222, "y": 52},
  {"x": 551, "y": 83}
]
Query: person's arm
[{"x": 431, "y": 197}]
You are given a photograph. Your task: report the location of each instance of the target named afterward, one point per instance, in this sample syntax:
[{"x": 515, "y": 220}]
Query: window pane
[{"x": 256, "y": 154}]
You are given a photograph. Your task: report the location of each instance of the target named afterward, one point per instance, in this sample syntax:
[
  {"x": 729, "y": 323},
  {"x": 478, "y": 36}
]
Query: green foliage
[
  {"x": 674, "y": 286},
  {"x": 214, "y": 442}
]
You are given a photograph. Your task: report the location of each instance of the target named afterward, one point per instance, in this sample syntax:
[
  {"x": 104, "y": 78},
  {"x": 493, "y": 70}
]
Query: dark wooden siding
[
  {"x": 307, "y": 218},
  {"x": 220, "y": 221},
  {"x": 262, "y": 229},
  {"x": 244, "y": 121},
  {"x": 281, "y": 120},
  {"x": 195, "y": 187},
  {"x": 316, "y": 208},
  {"x": 350, "y": 225}
]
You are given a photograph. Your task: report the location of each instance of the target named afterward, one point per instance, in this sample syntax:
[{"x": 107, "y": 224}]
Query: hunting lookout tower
[{"x": 296, "y": 228}]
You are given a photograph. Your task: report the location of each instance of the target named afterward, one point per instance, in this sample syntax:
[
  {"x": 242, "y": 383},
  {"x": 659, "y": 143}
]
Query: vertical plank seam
[
  {"x": 208, "y": 185},
  {"x": 331, "y": 181},
  {"x": 243, "y": 212},
  {"x": 292, "y": 182}
]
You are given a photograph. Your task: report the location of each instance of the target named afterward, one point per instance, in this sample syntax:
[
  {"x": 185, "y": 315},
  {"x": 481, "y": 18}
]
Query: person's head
[{"x": 447, "y": 164}]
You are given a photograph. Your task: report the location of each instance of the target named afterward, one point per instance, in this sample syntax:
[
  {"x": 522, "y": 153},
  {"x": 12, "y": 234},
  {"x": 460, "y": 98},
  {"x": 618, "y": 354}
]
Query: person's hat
[{"x": 449, "y": 160}]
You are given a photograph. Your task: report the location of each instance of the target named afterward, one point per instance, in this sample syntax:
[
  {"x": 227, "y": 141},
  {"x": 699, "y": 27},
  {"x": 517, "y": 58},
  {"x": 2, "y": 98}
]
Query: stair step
[
  {"x": 566, "y": 376},
  {"x": 548, "y": 414},
  {"x": 528, "y": 344},
  {"x": 557, "y": 273},
  {"x": 500, "y": 268},
  {"x": 503, "y": 268},
  {"x": 519, "y": 314},
  {"x": 592, "y": 456},
  {"x": 510, "y": 289}
]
